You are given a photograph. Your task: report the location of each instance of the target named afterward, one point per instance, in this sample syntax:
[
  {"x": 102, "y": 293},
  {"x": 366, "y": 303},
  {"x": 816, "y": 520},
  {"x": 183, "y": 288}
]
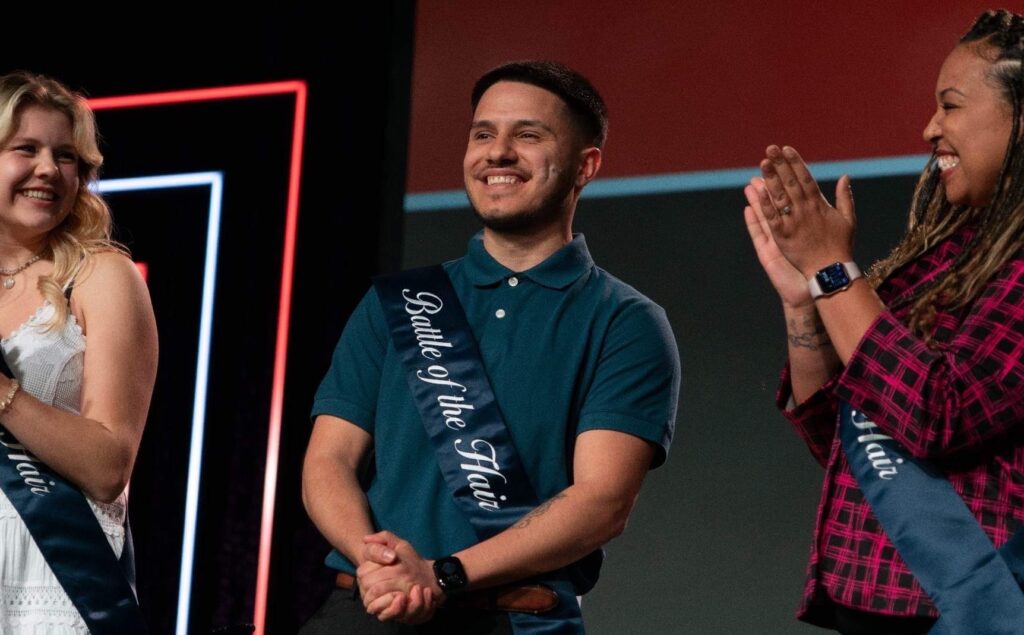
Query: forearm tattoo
[
  {"x": 540, "y": 510},
  {"x": 807, "y": 331}
]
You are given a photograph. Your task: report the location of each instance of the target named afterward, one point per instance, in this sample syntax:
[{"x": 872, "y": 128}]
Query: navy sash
[
  {"x": 67, "y": 533},
  {"x": 971, "y": 583},
  {"x": 474, "y": 449}
]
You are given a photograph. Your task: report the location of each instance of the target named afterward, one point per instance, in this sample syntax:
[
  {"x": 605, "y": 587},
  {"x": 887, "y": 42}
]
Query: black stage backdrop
[{"x": 357, "y": 70}]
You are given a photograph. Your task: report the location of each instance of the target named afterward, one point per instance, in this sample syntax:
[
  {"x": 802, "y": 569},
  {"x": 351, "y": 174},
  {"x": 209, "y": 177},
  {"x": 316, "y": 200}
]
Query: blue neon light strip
[
  {"x": 215, "y": 181},
  {"x": 693, "y": 181}
]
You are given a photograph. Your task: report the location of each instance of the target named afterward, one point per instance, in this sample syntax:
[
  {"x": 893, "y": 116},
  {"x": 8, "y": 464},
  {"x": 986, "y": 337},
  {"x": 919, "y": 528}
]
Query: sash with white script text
[
  {"x": 474, "y": 449},
  {"x": 70, "y": 538},
  {"x": 976, "y": 588}
]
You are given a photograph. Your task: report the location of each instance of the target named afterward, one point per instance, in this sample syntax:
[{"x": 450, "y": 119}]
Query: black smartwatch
[
  {"x": 451, "y": 577},
  {"x": 833, "y": 278}
]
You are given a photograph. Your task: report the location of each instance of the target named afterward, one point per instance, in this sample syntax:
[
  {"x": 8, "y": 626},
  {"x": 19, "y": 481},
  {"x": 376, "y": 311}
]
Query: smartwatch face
[
  {"x": 832, "y": 278},
  {"x": 450, "y": 574}
]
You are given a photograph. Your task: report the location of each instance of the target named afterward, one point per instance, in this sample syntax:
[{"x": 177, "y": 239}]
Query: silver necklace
[{"x": 9, "y": 274}]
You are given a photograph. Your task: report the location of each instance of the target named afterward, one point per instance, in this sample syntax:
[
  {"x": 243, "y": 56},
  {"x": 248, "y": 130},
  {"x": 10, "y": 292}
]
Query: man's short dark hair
[{"x": 587, "y": 108}]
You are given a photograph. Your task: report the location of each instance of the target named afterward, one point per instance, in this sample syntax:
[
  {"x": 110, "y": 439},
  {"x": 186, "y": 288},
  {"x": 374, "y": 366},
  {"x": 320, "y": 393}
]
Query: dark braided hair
[{"x": 999, "y": 37}]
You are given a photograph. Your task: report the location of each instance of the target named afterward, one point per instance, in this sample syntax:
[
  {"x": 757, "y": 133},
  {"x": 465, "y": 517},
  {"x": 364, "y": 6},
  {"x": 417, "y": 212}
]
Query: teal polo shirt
[{"x": 567, "y": 347}]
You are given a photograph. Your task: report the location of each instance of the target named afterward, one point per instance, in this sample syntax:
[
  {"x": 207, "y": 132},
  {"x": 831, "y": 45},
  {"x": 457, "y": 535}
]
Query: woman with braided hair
[{"x": 921, "y": 363}]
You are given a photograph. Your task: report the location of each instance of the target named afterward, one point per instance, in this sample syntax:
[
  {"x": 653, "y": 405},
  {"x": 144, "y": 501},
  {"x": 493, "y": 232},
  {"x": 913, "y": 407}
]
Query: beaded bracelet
[{"x": 10, "y": 396}]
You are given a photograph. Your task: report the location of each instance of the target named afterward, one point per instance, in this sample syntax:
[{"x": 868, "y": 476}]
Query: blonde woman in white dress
[{"x": 78, "y": 333}]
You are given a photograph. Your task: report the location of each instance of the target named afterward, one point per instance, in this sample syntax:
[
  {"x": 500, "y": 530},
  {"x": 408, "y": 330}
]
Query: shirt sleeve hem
[
  {"x": 343, "y": 410},
  {"x": 658, "y": 434}
]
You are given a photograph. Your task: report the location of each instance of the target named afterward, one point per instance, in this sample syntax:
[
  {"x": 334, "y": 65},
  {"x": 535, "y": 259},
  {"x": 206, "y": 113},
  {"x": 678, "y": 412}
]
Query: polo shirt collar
[{"x": 561, "y": 269}]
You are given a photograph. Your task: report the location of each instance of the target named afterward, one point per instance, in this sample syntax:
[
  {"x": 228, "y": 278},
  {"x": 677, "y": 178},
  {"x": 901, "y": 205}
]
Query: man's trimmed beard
[
  {"x": 526, "y": 222},
  {"x": 523, "y": 223}
]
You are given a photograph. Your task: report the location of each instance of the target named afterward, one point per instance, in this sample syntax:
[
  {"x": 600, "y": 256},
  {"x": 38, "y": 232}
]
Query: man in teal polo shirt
[{"x": 583, "y": 367}]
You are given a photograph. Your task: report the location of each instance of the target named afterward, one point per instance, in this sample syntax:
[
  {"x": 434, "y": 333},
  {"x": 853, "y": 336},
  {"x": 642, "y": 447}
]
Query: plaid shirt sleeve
[
  {"x": 814, "y": 419},
  {"x": 963, "y": 395}
]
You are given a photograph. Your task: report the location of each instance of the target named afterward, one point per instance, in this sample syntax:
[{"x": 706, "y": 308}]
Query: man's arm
[
  {"x": 331, "y": 492},
  {"x": 608, "y": 470}
]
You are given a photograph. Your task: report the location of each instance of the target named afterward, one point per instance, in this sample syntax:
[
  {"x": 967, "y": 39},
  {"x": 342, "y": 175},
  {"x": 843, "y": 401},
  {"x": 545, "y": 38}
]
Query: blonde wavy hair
[
  {"x": 999, "y": 37},
  {"x": 86, "y": 230}
]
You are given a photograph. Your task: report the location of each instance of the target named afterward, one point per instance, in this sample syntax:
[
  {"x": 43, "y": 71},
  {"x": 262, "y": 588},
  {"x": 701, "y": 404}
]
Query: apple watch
[
  {"x": 833, "y": 278},
  {"x": 451, "y": 577}
]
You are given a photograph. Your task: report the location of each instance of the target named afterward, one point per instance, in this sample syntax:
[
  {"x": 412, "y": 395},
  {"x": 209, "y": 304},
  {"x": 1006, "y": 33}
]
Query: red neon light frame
[{"x": 300, "y": 90}]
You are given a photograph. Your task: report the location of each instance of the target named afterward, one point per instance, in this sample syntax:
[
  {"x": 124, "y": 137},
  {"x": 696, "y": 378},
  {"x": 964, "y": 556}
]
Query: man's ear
[{"x": 590, "y": 163}]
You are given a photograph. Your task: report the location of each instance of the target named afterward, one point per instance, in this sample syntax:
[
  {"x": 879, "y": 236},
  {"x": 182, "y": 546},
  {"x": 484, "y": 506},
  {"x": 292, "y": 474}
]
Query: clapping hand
[{"x": 788, "y": 215}]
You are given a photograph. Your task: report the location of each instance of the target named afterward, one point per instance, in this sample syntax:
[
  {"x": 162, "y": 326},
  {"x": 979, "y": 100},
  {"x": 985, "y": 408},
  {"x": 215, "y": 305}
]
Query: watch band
[
  {"x": 833, "y": 278},
  {"x": 451, "y": 576}
]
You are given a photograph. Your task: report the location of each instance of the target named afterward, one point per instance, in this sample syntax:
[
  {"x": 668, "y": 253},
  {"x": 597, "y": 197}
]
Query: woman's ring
[{"x": 787, "y": 210}]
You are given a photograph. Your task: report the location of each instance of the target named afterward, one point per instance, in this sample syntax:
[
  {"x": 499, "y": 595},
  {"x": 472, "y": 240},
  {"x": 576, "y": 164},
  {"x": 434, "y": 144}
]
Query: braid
[{"x": 1000, "y": 225}]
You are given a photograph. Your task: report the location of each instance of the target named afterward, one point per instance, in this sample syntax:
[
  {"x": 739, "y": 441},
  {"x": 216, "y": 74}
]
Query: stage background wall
[
  {"x": 720, "y": 538},
  {"x": 696, "y": 86}
]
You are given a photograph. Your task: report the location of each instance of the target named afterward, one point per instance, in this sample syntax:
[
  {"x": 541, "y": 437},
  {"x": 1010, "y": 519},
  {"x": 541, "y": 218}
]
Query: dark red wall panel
[{"x": 696, "y": 86}]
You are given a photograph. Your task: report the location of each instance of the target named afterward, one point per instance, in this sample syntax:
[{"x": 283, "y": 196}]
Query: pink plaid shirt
[{"x": 960, "y": 407}]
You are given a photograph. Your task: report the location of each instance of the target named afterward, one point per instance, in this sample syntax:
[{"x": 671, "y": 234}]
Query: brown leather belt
[{"x": 514, "y": 598}]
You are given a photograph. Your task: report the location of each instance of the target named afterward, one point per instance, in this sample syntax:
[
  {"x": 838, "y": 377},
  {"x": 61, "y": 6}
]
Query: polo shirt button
[
  {"x": 500, "y": 313},
  {"x": 513, "y": 281}
]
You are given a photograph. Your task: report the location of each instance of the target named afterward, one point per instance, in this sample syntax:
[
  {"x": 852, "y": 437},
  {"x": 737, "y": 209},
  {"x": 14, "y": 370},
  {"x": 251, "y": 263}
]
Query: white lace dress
[{"x": 49, "y": 366}]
